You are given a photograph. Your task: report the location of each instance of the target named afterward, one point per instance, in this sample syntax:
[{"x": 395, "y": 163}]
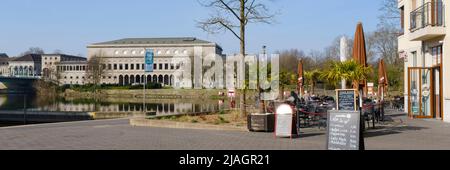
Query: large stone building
[
  {"x": 65, "y": 69},
  {"x": 425, "y": 47},
  {"x": 122, "y": 62},
  {"x": 124, "y": 59},
  {"x": 26, "y": 66},
  {"x": 4, "y": 59}
]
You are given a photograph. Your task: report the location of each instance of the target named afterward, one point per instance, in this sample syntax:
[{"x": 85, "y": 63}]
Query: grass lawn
[{"x": 228, "y": 118}]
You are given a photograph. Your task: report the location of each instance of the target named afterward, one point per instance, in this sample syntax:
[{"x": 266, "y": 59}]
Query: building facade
[
  {"x": 4, "y": 63},
  {"x": 425, "y": 47},
  {"x": 64, "y": 69},
  {"x": 26, "y": 66},
  {"x": 123, "y": 59}
]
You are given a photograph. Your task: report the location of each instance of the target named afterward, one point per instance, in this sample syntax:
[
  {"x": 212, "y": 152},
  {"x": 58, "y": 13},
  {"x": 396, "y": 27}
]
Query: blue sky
[{"x": 70, "y": 25}]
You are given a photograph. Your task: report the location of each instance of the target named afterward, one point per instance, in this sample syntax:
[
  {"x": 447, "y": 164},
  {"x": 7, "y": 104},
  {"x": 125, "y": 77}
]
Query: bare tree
[
  {"x": 58, "y": 51},
  {"x": 333, "y": 51},
  {"x": 390, "y": 13},
  {"x": 33, "y": 50},
  {"x": 52, "y": 74},
  {"x": 234, "y": 16},
  {"x": 289, "y": 59},
  {"x": 95, "y": 69}
]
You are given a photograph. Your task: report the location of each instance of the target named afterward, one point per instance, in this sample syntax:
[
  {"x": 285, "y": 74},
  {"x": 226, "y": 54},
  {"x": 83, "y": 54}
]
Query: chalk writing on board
[
  {"x": 343, "y": 130},
  {"x": 346, "y": 100}
]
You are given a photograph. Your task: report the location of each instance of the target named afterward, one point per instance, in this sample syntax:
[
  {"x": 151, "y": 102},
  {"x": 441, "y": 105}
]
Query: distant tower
[{"x": 343, "y": 57}]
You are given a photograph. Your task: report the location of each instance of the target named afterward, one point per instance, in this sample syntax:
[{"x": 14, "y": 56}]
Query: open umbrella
[
  {"x": 383, "y": 82},
  {"x": 359, "y": 55},
  {"x": 300, "y": 78}
]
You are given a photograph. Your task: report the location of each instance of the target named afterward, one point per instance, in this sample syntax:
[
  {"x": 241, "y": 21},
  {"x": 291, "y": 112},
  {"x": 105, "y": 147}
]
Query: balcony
[{"x": 427, "y": 21}]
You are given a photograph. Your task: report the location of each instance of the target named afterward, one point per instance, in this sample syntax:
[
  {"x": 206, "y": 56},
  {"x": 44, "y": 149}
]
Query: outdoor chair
[
  {"x": 321, "y": 117},
  {"x": 369, "y": 115}
]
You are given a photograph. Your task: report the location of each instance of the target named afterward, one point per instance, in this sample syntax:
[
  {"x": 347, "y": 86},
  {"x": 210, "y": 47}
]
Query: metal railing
[{"x": 429, "y": 14}]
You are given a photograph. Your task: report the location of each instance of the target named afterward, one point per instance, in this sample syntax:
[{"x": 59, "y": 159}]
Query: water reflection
[{"x": 161, "y": 107}]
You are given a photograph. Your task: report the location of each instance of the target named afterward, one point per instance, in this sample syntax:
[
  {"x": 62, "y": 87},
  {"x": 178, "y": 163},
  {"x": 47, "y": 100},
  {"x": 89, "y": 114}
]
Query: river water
[{"x": 15, "y": 102}]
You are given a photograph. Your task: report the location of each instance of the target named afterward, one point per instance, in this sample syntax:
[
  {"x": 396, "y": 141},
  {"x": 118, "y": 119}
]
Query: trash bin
[{"x": 261, "y": 122}]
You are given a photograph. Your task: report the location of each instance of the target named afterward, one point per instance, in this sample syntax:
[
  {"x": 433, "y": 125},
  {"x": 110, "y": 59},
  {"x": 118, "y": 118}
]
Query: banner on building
[{"x": 149, "y": 60}]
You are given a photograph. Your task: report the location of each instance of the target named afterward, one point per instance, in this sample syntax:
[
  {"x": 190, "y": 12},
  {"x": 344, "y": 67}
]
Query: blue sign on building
[{"x": 149, "y": 60}]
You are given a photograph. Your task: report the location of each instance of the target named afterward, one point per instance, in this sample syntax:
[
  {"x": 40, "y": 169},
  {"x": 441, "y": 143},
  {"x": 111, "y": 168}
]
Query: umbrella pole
[
  {"x": 362, "y": 122},
  {"x": 382, "y": 103}
]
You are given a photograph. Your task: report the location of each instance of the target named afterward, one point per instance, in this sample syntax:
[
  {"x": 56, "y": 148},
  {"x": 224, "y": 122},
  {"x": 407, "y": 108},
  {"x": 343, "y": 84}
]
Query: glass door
[{"x": 420, "y": 91}]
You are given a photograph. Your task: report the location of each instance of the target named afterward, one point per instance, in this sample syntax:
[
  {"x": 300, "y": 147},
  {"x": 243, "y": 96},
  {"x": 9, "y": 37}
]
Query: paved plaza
[{"x": 400, "y": 133}]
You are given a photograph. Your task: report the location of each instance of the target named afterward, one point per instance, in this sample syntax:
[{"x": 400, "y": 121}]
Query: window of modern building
[{"x": 437, "y": 55}]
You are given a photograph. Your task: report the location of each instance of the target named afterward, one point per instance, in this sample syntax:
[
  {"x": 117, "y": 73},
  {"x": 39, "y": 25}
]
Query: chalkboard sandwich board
[
  {"x": 346, "y": 99},
  {"x": 343, "y": 130}
]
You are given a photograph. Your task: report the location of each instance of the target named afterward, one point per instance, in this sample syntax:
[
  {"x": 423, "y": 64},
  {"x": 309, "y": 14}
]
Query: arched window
[
  {"x": 138, "y": 79},
  {"x": 166, "y": 80},
  {"x": 127, "y": 80},
  {"x": 121, "y": 82}
]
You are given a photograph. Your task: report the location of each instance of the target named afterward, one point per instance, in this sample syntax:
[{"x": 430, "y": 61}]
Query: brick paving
[{"x": 402, "y": 133}]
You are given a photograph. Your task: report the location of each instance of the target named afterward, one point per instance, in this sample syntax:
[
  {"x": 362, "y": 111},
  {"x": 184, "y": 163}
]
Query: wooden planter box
[{"x": 258, "y": 122}]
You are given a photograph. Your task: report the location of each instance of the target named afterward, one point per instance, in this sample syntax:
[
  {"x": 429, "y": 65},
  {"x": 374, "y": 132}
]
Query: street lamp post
[{"x": 25, "y": 109}]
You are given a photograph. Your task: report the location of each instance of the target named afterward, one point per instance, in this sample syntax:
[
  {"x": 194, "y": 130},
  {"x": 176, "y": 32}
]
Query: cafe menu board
[
  {"x": 343, "y": 130},
  {"x": 283, "y": 125},
  {"x": 346, "y": 100}
]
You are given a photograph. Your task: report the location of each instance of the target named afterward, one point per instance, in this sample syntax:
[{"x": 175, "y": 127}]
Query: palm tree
[
  {"x": 348, "y": 70},
  {"x": 311, "y": 78},
  {"x": 286, "y": 79}
]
